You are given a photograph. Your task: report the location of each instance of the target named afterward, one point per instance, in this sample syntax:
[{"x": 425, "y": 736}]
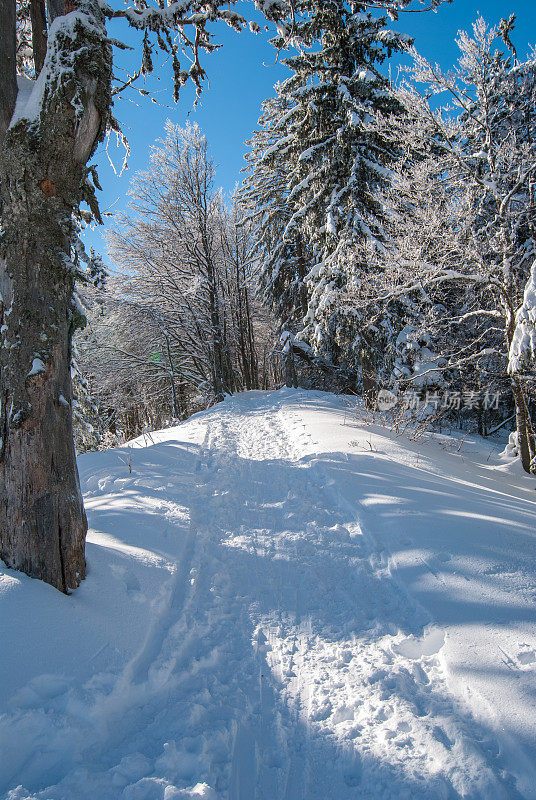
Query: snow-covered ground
[{"x": 282, "y": 603}]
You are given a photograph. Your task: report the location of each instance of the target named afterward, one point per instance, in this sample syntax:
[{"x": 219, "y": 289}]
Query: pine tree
[
  {"x": 264, "y": 196},
  {"x": 87, "y": 423},
  {"x": 315, "y": 165},
  {"x": 522, "y": 356}
]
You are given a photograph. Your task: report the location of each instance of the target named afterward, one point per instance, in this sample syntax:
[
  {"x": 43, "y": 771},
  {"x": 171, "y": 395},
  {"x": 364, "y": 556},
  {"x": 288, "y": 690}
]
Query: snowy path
[{"x": 263, "y": 620}]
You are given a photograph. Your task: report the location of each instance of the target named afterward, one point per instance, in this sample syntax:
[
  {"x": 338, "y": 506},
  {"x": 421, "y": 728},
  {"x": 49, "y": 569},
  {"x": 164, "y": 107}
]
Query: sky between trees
[{"x": 241, "y": 75}]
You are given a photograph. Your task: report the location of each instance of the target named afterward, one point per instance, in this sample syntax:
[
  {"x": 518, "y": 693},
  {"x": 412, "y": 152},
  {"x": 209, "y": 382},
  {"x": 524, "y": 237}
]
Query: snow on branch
[
  {"x": 522, "y": 356},
  {"x": 395, "y": 7},
  {"x": 70, "y": 39}
]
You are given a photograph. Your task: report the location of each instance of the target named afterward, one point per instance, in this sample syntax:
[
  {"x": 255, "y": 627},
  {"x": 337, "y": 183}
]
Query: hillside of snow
[{"x": 282, "y": 603}]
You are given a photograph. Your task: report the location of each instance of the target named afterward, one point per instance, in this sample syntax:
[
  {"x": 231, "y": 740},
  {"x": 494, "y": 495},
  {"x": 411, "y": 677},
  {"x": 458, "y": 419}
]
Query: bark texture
[
  {"x": 8, "y": 67},
  {"x": 39, "y": 33},
  {"x": 42, "y": 182},
  {"x": 525, "y": 433}
]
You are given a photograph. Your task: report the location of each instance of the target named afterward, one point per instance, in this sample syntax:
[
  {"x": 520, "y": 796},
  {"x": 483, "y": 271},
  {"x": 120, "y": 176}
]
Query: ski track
[{"x": 283, "y": 660}]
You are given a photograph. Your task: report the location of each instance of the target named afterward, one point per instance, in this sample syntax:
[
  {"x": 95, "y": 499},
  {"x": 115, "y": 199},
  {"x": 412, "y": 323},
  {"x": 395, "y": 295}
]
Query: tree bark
[
  {"x": 291, "y": 379},
  {"x": 252, "y": 353},
  {"x": 368, "y": 378},
  {"x": 42, "y": 182},
  {"x": 42, "y": 521},
  {"x": 8, "y": 63},
  {"x": 55, "y": 8},
  {"x": 39, "y": 33},
  {"x": 216, "y": 334},
  {"x": 525, "y": 433},
  {"x": 174, "y": 405}
]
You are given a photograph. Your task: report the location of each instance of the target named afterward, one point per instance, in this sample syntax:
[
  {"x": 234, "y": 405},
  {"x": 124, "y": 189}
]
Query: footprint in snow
[
  {"x": 40, "y": 690},
  {"x": 131, "y": 582},
  {"x": 526, "y": 656},
  {"x": 128, "y": 578},
  {"x": 441, "y": 737},
  {"x": 419, "y": 674},
  {"x": 421, "y": 647},
  {"x": 352, "y": 767},
  {"x": 103, "y": 483}
]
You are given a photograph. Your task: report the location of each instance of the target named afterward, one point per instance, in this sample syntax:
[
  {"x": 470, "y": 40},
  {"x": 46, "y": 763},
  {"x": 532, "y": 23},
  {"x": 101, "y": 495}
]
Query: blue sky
[{"x": 242, "y": 73}]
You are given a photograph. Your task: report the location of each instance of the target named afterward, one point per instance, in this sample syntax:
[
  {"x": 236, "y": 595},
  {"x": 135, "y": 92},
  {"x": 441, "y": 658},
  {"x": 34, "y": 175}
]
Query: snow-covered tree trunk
[
  {"x": 525, "y": 433},
  {"x": 521, "y": 338},
  {"x": 525, "y": 436},
  {"x": 42, "y": 181}
]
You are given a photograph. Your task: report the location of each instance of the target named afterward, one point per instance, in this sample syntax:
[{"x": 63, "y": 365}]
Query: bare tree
[{"x": 183, "y": 262}]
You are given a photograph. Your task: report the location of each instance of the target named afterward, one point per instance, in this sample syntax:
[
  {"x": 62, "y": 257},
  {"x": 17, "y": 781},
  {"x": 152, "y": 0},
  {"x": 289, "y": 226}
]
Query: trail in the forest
[{"x": 273, "y": 649}]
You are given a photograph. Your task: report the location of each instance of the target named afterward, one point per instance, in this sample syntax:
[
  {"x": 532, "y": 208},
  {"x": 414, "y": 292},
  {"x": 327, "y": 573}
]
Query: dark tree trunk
[
  {"x": 8, "y": 63},
  {"x": 42, "y": 521},
  {"x": 39, "y": 33},
  {"x": 525, "y": 433},
  {"x": 240, "y": 325},
  {"x": 42, "y": 182},
  {"x": 368, "y": 377},
  {"x": 291, "y": 379},
  {"x": 216, "y": 333},
  {"x": 55, "y": 8},
  {"x": 252, "y": 353},
  {"x": 174, "y": 404}
]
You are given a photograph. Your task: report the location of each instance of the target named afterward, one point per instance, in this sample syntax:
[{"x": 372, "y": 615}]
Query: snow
[
  {"x": 37, "y": 367},
  {"x": 25, "y": 87},
  {"x": 32, "y": 93},
  {"x": 331, "y": 228},
  {"x": 522, "y": 354},
  {"x": 287, "y": 602},
  {"x": 286, "y": 340},
  {"x": 366, "y": 76}
]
